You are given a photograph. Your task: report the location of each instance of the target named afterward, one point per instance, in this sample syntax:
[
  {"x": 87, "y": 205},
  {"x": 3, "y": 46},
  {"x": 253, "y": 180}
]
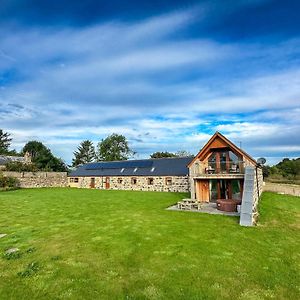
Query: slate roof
[
  {"x": 4, "y": 159},
  {"x": 144, "y": 167}
]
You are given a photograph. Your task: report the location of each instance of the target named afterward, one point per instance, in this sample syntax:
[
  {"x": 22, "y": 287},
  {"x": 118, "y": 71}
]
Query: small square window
[
  {"x": 133, "y": 180},
  {"x": 76, "y": 180},
  {"x": 150, "y": 181},
  {"x": 169, "y": 181}
]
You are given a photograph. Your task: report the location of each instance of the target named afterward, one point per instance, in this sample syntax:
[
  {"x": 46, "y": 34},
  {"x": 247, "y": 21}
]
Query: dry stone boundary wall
[
  {"x": 281, "y": 188},
  {"x": 39, "y": 179}
]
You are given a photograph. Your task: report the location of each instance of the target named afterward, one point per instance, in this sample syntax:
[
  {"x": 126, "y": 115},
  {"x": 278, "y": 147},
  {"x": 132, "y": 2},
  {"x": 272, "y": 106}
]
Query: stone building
[
  {"x": 220, "y": 173},
  {"x": 4, "y": 159},
  {"x": 163, "y": 174}
]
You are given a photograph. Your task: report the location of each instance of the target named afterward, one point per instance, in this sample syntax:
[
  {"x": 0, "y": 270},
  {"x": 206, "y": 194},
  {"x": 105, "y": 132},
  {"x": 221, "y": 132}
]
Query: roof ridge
[{"x": 143, "y": 159}]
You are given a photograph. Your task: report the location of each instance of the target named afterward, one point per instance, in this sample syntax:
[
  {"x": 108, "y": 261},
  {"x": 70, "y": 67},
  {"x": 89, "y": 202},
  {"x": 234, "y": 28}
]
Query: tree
[
  {"x": 114, "y": 147},
  {"x": 289, "y": 167},
  {"x": 85, "y": 153},
  {"x": 180, "y": 153},
  {"x": 266, "y": 171},
  {"x": 36, "y": 150},
  {"x": 5, "y": 140},
  {"x": 17, "y": 166},
  {"x": 42, "y": 157},
  {"x": 162, "y": 154}
]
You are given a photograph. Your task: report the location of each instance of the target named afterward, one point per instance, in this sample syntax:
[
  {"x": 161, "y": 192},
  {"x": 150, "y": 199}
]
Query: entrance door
[
  {"x": 107, "y": 183},
  {"x": 92, "y": 185},
  {"x": 202, "y": 190}
]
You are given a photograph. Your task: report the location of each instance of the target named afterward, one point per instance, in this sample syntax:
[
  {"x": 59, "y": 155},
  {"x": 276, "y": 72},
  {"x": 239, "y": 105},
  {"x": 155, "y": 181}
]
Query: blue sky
[{"x": 166, "y": 74}]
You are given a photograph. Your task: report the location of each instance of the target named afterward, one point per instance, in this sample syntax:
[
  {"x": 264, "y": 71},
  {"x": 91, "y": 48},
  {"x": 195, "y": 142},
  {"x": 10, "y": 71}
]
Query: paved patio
[{"x": 208, "y": 208}]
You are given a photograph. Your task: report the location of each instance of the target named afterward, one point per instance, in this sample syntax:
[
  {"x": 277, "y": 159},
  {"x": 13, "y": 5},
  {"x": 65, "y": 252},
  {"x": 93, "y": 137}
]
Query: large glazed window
[
  {"x": 225, "y": 189},
  {"x": 236, "y": 190},
  {"x": 224, "y": 161}
]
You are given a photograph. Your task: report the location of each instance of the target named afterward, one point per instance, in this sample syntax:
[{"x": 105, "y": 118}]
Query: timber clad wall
[
  {"x": 39, "y": 179},
  {"x": 143, "y": 183}
]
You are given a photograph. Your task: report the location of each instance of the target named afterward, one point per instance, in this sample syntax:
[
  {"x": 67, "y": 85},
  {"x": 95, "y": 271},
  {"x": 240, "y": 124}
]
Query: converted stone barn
[
  {"x": 221, "y": 175},
  {"x": 163, "y": 174}
]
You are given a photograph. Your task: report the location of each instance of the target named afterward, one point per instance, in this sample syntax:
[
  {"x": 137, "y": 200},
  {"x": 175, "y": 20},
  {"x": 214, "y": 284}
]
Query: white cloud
[{"x": 142, "y": 80}]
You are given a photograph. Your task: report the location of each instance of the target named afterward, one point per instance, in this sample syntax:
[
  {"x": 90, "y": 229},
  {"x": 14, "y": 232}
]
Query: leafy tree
[
  {"x": 162, "y": 154},
  {"x": 85, "y": 153},
  {"x": 5, "y": 140},
  {"x": 289, "y": 167},
  {"x": 114, "y": 147},
  {"x": 266, "y": 171},
  {"x": 18, "y": 166},
  {"x": 286, "y": 170},
  {"x": 43, "y": 158},
  {"x": 180, "y": 153}
]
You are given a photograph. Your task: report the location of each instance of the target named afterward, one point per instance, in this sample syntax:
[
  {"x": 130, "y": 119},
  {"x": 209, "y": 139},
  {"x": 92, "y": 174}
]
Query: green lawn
[{"x": 91, "y": 244}]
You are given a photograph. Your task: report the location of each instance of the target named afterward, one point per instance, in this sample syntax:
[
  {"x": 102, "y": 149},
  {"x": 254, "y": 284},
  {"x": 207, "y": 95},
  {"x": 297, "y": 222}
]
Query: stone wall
[
  {"x": 39, "y": 179},
  {"x": 290, "y": 189},
  {"x": 253, "y": 187},
  {"x": 161, "y": 184}
]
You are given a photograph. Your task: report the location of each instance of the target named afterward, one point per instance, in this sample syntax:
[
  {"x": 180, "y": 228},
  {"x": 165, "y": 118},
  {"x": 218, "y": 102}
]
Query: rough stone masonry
[{"x": 39, "y": 179}]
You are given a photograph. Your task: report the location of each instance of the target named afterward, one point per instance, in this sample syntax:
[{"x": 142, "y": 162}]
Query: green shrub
[
  {"x": 8, "y": 182},
  {"x": 17, "y": 166}
]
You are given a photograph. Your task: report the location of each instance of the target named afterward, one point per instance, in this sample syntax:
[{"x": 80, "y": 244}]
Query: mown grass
[{"x": 91, "y": 244}]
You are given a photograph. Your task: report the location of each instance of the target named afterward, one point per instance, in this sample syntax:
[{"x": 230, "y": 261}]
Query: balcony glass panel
[{"x": 224, "y": 162}]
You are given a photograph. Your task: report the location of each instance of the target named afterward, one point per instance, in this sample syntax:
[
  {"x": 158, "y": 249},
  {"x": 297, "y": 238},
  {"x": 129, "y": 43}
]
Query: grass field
[{"x": 91, "y": 244}]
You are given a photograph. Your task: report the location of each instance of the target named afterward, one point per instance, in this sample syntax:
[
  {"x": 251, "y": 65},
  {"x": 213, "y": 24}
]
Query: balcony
[{"x": 215, "y": 170}]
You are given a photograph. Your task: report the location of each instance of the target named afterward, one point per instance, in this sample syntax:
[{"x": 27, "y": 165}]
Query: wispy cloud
[{"x": 150, "y": 80}]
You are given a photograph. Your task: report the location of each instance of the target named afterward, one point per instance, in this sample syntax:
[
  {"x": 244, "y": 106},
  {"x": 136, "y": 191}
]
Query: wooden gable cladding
[{"x": 219, "y": 141}]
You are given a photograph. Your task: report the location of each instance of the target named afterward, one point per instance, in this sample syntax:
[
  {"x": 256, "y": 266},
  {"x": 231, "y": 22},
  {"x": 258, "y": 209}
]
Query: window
[
  {"x": 122, "y": 170},
  {"x": 152, "y": 169},
  {"x": 223, "y": 161},
  {"x": 133, "y": 180},
  {"x": 135, "y": 169},
  {"x": 169, "y": 181},
  {"x": 150, "y": 181},
  {"x": 76, "y": 180},
  {"x": 120, "y": 180},
  {"x": 236, "y": 186}
]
